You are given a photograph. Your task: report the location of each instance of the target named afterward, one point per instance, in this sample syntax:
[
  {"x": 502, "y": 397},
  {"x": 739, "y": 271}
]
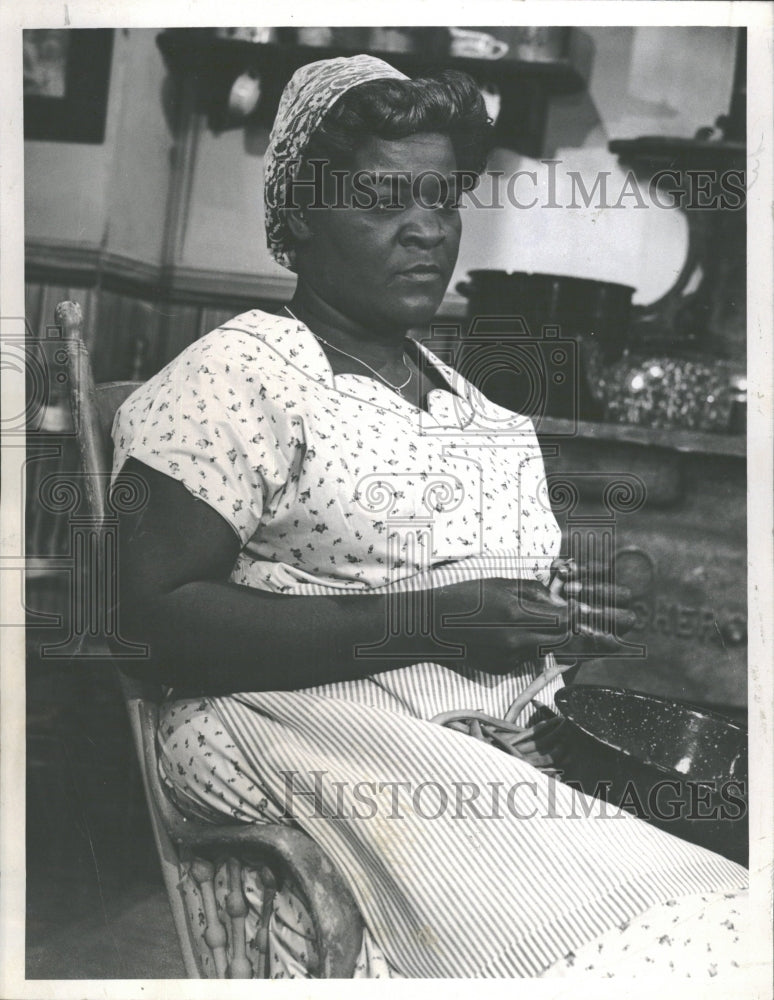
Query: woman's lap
[
  {"x": 291, "y": 942},
  {"x": 267, "y": 758}
]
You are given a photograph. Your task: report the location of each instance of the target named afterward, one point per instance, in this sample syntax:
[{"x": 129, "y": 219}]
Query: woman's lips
[{"x": 421, "y": 272}]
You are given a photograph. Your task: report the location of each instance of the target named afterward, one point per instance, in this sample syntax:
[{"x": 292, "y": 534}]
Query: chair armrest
[
  {"x": 291, "y": 852},
  {"x": 337, "y": 922}
]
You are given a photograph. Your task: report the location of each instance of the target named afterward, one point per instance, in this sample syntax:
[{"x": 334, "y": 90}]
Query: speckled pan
[{"x": 672, "y": 737}]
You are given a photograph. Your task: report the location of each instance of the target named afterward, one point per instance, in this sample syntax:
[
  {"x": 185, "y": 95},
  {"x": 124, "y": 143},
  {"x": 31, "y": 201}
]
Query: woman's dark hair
[{"x": 449, "y": 103}]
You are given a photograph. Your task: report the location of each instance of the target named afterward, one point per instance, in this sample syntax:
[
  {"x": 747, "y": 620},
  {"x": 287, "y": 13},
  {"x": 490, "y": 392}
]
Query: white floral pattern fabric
[
  {"x": 697, "y": 937},
  {"x": 337, "y": 483}
]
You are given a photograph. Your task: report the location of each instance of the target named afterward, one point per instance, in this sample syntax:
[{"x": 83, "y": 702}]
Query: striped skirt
[{"x": 465, "y": 861}]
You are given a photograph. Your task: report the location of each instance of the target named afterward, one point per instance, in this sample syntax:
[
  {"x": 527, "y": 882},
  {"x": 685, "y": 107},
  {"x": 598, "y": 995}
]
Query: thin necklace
[{"x": 360, "y": 361}]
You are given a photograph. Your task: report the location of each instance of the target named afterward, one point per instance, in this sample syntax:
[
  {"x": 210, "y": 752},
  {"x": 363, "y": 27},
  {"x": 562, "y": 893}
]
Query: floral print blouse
[{"x": 336, "y": 483}]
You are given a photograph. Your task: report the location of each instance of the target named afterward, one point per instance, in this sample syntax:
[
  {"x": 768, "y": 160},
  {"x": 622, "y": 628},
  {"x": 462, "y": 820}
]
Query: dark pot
[
  {"x": 493, "y": 294},
  {"x": 578, "y": 306},
  {"x": 678, "y": 766},
  {"x": 599, "y": 309},
  {"x": 549, "y": 326}
]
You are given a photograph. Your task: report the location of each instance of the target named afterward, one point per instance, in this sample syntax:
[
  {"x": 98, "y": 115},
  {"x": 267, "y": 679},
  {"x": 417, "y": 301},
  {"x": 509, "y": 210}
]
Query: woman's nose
[{"x": 425, "y": 229}]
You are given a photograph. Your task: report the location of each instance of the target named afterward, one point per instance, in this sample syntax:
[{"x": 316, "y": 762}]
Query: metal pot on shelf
[{"x": 567, "y": 325}]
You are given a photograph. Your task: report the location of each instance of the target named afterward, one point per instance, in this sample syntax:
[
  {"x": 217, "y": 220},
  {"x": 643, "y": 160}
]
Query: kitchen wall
[
  {"x": 185, "y": 198},
  {"x": 642, "y": 81},
  {"x": 95, "y": 214}
]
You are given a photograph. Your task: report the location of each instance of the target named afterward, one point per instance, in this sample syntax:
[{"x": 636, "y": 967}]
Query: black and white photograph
[{"x": 387, "y": 487}]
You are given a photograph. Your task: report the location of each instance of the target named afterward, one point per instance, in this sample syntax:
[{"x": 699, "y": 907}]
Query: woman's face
[{"x": 384, "y": 266}]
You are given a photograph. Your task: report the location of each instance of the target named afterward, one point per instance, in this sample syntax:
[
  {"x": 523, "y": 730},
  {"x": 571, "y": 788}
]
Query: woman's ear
[{"x": 297, "y": 221}]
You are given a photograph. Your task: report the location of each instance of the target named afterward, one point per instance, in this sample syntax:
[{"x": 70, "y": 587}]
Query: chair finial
[{"x": 70, "y": 316}]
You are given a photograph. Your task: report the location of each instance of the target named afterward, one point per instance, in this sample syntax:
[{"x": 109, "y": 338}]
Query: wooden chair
[{"x": 202, "y": 864}]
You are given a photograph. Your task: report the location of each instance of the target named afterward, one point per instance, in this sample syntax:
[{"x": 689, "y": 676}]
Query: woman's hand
[
  {"x": 543, "y": 745},
  {"x": 586, "y": 585},
  {"x": 498, "y": 621}
]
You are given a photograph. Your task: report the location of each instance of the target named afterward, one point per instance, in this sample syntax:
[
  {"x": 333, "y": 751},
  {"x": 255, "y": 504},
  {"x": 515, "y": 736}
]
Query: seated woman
[{"x": 343, "y": 540}]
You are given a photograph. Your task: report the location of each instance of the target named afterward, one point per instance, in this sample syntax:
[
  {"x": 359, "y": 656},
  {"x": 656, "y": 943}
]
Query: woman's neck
[{"x": 375, "y": 347}]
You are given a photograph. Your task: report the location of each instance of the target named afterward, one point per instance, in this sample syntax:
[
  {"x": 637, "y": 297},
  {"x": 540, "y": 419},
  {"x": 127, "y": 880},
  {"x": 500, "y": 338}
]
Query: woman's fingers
[
  {"x": 602, "y": 619},
  {"x": 589, "y": 583},
  {"x": 549, "y": 619},
  {"x": 543, "y": 738},
  {"x": 535, "y": 621},
  {"x": 543, "y": 745},
  {"x": 541, "y": 761},
  {"x": 534, "y": 607},
  {"x": 571, "y": 570},
  {"x": 606, "y": 595},
  {"x": 585, "y": 642}
]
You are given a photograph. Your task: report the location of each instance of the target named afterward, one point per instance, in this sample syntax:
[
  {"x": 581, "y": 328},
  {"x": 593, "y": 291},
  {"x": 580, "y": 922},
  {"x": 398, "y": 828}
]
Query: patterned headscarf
[{"x": 311, "y": 93}]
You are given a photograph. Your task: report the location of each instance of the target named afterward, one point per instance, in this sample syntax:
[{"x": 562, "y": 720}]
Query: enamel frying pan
[{"x": 679, "y": 766}]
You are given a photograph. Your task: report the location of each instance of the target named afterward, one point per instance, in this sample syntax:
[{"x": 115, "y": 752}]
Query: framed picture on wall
[{"x": 66, "y": 79}]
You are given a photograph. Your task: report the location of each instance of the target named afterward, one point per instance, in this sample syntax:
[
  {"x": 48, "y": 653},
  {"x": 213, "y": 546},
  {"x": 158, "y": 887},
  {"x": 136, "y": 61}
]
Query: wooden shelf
[
  {"x": 200, "y": 52},
  {"x": 214, "y": 63},
  {"x": 674, "y": 439}
]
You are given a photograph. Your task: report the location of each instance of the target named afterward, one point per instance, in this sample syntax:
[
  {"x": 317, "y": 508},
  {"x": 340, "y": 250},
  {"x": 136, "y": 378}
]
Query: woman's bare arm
[
  {"x": 207, "y": 635},
  {"x": 212, "y": 636}
]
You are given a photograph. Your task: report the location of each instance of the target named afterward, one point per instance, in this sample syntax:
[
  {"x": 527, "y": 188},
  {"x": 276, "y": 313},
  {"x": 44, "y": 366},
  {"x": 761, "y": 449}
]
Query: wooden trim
[
  {"x": 200, "y": 285},
  {"x": 128, "y": 270},
  {"x": 52, "y": 261},
  {"x": 87, "y": 264}
]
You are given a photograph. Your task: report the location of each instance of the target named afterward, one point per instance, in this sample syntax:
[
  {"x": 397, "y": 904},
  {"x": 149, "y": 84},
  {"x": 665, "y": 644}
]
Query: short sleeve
[{"x": 203, "y": 421}]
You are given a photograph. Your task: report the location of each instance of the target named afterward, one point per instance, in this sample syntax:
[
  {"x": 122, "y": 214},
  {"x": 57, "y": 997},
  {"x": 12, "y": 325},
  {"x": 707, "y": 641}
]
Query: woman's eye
[
  {"x": 382, "y": 207},
  {"x": 447, "y": 205},
  {"x": 448, "y": 200}
]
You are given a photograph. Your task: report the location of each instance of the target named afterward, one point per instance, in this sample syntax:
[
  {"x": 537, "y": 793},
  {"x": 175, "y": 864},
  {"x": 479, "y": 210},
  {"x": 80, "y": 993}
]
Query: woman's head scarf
[{"x": 311, "y": 93}]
